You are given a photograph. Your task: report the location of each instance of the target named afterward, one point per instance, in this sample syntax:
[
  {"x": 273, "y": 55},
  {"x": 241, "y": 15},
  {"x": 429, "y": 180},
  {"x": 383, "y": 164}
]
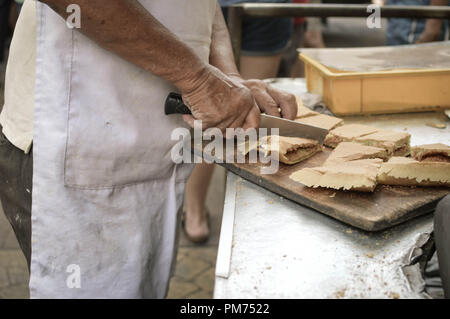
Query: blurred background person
[
  {"x": 307, "y": 33},
  {"x": 290, "y": 65},
  {"x": 409, "y": 31},
  {"x": 264, "y": 40},
  {"x": 313, "y": 34}
]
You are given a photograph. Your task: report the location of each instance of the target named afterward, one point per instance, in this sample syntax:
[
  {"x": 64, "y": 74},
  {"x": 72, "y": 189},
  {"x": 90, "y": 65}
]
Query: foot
[{"x": 196, "y": 226}]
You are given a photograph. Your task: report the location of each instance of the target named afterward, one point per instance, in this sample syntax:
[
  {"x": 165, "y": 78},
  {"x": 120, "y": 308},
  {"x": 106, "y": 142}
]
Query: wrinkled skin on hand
[
  {"x": 220, "y": 101},
  {"x": 228, "y": 101},
  {"x": 270, "y": 100}
]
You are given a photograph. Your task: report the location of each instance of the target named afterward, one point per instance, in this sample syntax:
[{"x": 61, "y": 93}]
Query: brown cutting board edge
[{"x": 385, "y": 207}]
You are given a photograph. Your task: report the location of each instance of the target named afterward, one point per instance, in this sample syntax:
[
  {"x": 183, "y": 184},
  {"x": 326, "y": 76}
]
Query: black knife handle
[{"x": 174, "y": 105}]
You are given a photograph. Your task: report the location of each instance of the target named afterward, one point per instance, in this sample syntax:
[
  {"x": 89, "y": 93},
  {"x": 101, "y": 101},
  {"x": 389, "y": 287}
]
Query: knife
[{"x": 175, "y": 105}]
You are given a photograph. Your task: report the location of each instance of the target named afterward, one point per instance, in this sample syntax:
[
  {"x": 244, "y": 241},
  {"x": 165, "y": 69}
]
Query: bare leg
[
  {"x": 196, "y": 222},
  {"x": 13, "y": 16},
  {"x": 313, "y": 35},
  {"x": 291, "y": 66},
  {"x": 260, "y": 67},
  {"x": 314, "y": 39},
  {"x": 298, "y": 70}
]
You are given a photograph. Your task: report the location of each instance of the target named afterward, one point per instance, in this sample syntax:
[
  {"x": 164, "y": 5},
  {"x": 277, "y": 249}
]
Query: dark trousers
[
  {"x": 16, "y": 173},
  {"x": 4, "y": 26}
]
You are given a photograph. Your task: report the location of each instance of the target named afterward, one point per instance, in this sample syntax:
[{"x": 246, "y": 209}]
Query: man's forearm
[
  {"x": 127, "y": 29},
  {"x": 221, "y": 53}
]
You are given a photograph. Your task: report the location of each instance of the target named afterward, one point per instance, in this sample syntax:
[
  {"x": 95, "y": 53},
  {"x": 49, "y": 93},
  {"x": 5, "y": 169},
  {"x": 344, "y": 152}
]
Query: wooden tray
[{"x": 385, "y": 207}]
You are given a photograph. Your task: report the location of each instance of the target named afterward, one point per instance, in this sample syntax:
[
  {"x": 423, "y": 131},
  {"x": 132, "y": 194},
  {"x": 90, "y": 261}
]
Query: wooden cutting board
[{"x": 385, "y": 207}]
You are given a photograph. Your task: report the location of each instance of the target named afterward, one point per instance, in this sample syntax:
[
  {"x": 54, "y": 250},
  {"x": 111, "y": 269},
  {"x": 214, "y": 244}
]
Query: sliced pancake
[
  {"x": 289, "y": 150},
  {"x": 321, "y": 120},
  {"x": 303, "y": 111},
  {"x": 409, "y": 172},
  {"x": 431, "y": 153},
  {"x": 359, "y": 175},
  {"x": 351, "y": 151},
  {"x": 396, "y": 143},
  {"x": 347, "y": 133}
]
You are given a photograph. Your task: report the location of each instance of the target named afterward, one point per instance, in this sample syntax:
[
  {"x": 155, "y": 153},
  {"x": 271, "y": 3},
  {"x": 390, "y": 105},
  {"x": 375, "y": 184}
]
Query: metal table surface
[{"x": 271, "y": 247}]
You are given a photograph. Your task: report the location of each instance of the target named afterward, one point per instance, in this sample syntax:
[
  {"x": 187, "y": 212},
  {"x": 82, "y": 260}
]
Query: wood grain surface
[{"x": 385, "y": 207}]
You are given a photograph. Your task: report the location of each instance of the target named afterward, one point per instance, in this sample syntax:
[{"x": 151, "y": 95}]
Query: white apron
[{"x": 105, "y": 190}]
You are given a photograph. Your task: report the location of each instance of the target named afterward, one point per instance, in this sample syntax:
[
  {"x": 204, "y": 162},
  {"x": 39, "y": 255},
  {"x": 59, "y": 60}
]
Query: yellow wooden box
[{"x": 393, "y": 91}]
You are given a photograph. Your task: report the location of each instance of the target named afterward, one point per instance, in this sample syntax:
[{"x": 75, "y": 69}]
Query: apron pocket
[{"x": 117, "y": 133}]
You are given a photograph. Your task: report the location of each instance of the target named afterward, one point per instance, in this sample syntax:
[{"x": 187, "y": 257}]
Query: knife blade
[
  {"x": 292, "y": 128},
  {"x": 174, "y": 105}
]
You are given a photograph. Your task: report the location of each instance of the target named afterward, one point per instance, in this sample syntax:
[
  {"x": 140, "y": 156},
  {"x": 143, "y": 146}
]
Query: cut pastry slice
[
  {"x": 303, "y": 111},
  {"x": 409, "y": 172},
  {"x": 431, "y": 153},
  {"x": 347, "y": 133},
  {"x": 321, "y": 120},
  {"x": 289, "y": 150},
  {"x": 359, "y": 175},
  {"x": 350, "y": 151},
  {"x": 396, "y": 143}
]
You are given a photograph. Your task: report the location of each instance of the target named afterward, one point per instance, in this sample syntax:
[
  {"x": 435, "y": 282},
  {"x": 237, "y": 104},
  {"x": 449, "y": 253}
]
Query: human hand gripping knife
[{"x": 174, "y": 105}]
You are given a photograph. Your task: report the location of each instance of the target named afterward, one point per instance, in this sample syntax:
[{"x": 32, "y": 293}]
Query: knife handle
[{"x": 175, "y": 105}]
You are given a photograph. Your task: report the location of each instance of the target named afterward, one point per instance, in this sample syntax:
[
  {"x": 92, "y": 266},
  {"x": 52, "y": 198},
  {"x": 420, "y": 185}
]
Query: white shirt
[{"x": 17, "y": 114}]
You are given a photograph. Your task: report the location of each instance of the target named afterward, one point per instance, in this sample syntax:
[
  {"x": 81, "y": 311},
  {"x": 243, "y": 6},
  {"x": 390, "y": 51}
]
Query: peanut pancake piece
[
  {"x": 303, "y": 111},
  {"x": 406, "y": 171},
  {"x": 431, "y": 153},
  {"x": 321, "y": 120},
  {"x": 351, "y": 151},
  {"x": 347, "y": 133},
  {"x": 359, "y": 175},
  {"x": 396, "y": 143},
  {"x": 289, "y": 150}
]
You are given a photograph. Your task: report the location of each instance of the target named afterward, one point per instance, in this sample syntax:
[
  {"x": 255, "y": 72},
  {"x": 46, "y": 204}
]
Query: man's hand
[
  {"x": 219, "y": 101},
  {"x": 270, "y": 100}
]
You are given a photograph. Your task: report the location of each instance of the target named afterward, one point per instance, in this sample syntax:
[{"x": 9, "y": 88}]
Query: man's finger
[
  {"x": 189, "y": 119},
  {"x": 238, "y": 123},
  {"x": 223, "y": 127},
  {"x": 266, "y": 103},
  {"x": 286, "y": 101},
  {"x": 242, "y": 121},
  {"x": 252, "y": 119}
]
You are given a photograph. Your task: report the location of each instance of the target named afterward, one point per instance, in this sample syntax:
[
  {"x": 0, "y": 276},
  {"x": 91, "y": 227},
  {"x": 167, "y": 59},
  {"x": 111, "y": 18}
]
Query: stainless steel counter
[{"x": 271, "y": 247}]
